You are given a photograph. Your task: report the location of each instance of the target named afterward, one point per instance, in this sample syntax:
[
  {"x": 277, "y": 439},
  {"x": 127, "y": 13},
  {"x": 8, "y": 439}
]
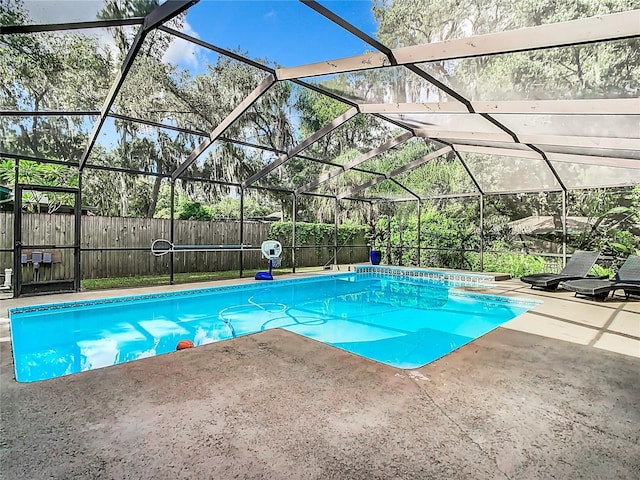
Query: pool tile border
[
  {"x": 178, "y": 293},
  {"x": 450, "y": 279},
  {"x": 453, "y": 277}
]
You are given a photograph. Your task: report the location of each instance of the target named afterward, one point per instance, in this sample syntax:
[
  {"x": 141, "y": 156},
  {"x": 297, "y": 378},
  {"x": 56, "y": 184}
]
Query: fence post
[
  {"x": 419, "y": 238},
  {"x": 17, "y": 232},
  {"x": 335, "y": 234},
  {"x": 481, "y": 232},
  {"x": 564, "y": 228},
  {"x": 172, "y": 228},
  {"x": 241, "y": 231},
  {"x": 77, "y": 235},
  {"x": 293, "y": 232}
]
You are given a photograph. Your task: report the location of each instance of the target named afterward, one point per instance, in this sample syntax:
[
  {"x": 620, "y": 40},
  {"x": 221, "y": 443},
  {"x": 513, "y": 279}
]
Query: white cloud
[
  {"x": 67, "y": 11},
  {"x": 63, "y": 11},
  {"x": 184, "y": 53},
  {"x": 180, "y": 52}
]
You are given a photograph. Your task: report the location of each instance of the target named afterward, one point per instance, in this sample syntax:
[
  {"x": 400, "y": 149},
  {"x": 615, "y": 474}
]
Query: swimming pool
[{"x": 395, "y": 317}]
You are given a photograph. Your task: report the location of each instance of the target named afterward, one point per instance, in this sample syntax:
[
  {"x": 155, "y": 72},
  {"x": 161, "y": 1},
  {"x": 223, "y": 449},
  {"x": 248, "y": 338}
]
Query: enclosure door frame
[{"x": 17, "y": 232}]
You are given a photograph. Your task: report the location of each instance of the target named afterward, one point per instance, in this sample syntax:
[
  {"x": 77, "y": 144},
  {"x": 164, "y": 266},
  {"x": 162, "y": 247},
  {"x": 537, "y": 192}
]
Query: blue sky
[{"x": 283, "y": 31}]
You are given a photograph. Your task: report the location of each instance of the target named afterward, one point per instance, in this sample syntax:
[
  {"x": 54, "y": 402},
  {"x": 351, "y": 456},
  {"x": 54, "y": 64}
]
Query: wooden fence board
[{"x": 119, "y": 232}]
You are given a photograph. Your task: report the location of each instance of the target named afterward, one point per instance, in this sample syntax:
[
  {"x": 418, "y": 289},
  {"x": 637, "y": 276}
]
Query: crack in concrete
[
  {"x": 463, "y": 431},
  {"x": 593, "y": 428}
]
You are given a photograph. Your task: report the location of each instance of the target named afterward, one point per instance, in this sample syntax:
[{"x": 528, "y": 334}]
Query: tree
[{"x": 48, "y": 72}]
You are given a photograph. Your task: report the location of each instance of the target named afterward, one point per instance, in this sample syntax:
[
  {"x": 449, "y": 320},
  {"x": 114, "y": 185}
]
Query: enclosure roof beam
[
  {"x": 400, "y": 200},
  {"x": 165, "y": 12},
  {"x": 405, "y": 168},
  {"x": 408, "y": 190},
  {"x": 16, "y": 156},
  {"x": 574, "y": 32},
  {"x": 345, "y": 117},
  {"x": 221, "y": 51},
  {"x": 549, "y": 166},
  {"x": 599, "y": 28},
  {"x": 323, "y": 91},
  {"x": 451, "y": 92},
  {"x": 558, "y": 157},
  {"x": 392, "y": 121},
  {"x": 442, "y": 86},
  {"x": 163, "y": 126},
  {"x": 225, "y": 124},
  {"x": 497, "y": 151},
  {"x": 321, "y": 195},
  {"x": 271, "y": 189},
  {"x": 49, "y": 113},
  {"x": 194, "y": 132},
  {"x": 52, "y": 27},
  {"x": 617, "y": 106},
  {"x": 595, "y": 160},
  {"x": 524, "y": 190},
  {"x": 468, "y": 170},
  {"x": 228, "y": 140},
  {"x": 338, "y": 20},
  {"x": 354, "y": 163},
  {"x": 452, "y": 195},
  {"x": 488, "y": 194},
  {"x": 160, "y": 14},
  {"x": 209, "y": 180},
  {"x": 559, "y": 140}
]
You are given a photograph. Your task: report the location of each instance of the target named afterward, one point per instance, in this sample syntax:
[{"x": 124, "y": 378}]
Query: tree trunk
[
  {"x": 153, "y": 201},
  {"x": 124, "y": 197}
]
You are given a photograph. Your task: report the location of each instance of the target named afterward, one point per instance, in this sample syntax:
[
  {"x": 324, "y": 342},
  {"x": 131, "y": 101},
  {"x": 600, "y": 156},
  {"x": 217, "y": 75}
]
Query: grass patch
[{"x": 179, "y": 278}]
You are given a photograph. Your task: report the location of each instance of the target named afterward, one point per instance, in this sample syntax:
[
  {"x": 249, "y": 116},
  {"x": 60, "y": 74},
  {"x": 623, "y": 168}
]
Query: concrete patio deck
[{"x": 555, "y": 393}]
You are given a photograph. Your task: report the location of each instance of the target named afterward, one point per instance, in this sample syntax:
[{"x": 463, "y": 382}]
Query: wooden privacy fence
[{"x": 120, "y": 246}]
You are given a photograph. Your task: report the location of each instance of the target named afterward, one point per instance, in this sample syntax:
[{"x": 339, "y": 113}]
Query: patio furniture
[
  {"x": 577, "y": 267},
  {"x": 627, "y": 279}
]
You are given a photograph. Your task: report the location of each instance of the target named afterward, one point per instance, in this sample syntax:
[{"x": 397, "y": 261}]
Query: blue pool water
[{"x": 401, "y": 321}]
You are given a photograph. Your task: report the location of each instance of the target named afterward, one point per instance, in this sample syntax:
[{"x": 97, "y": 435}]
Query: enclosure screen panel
[
  {"x": 485, "y": 143},
  {"x": 608, "y": 126},
  {"x": 39, "y": 12},
  {"x": 385, "y": 190},
  {"x": 344, "y": 182},
  {"x": 353, "y": 138},
  {"x": 440, "y": 176},
  {"x": 387, "y": 85},
  {"x": 136, "y": 146},
  {"x": 272, "y": 121},
  {"x": 265, "y": 31},
  {"x": 498, "y": 173},
  {"x": 600, "y": 70},
  {"x": 293, "y": 174},
  {"x": 580, "y": 175},
  {"x": 458, "y": 122},
  {"x": 402, "y": 154},
  {"x": 54, "y": 137},
  {"x": 601, "y": 152},
  {"x": 403, "y": 24},
  {"x": 179, "y": 83},
  {"x": 58, "y": 70}
]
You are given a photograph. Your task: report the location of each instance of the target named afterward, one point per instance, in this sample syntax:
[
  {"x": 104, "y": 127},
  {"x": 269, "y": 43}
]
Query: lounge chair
[
  {"x": 577, "y": 267},
  {"x": 627, "y": 279}
]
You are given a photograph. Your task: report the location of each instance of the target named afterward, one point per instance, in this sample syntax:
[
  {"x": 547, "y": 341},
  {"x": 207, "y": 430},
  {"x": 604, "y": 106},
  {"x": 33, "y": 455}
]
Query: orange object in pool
[{"x": 182, "y": 344}]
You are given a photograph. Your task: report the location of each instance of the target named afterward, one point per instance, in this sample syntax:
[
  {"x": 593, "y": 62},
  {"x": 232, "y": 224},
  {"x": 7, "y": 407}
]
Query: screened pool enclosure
[{"x": 442, "y": 135}]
